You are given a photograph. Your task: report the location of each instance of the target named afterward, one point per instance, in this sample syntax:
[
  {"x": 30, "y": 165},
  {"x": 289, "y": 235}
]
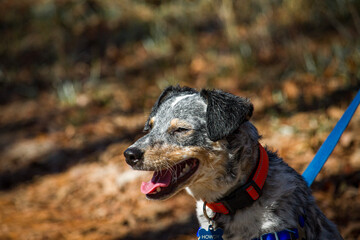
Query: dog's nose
[{"x": 133, "y": 156}]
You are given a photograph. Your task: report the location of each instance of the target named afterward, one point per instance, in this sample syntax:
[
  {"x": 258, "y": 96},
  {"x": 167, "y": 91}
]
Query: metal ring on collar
[{"x": 206, "y": 215}]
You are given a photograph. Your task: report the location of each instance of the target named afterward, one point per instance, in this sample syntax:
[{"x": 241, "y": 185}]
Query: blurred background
[{"x": 78, "y": 77}]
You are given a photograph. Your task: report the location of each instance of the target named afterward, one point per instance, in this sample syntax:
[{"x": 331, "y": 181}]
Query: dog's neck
[{"x": 244, "y": 195}]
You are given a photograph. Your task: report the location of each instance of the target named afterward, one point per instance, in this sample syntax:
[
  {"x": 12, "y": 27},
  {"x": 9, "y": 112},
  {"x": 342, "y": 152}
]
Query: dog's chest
[{"x": 242, "y": 225}]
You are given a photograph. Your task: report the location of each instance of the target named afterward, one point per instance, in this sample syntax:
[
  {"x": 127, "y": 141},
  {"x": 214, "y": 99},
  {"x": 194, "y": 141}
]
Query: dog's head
[{"x": 194, "y": 139}]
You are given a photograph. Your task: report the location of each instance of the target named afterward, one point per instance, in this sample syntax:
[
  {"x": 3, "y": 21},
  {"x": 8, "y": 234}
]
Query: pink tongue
[{"x": 160, "y": 179}]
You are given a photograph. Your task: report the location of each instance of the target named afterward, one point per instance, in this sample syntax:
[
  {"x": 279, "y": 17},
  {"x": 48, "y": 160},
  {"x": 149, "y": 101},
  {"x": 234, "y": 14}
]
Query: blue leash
[{"x": 328, "y": 146}]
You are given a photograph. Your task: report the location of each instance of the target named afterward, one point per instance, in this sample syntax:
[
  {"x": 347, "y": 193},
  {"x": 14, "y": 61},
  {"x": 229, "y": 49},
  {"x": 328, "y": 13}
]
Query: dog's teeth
[{"x": 184, "y": 170}]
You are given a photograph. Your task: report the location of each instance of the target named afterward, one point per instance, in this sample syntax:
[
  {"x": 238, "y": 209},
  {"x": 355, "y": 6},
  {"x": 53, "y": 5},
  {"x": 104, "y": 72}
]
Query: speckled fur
[{"x": 225, "y": 163}]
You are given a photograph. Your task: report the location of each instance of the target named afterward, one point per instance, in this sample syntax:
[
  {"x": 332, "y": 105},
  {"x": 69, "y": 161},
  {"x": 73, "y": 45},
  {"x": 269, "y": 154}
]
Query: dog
[{"x": 203, "y": 141}]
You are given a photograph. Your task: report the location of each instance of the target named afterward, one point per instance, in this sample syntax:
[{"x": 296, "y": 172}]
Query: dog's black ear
[
  {"x": 168, "y": 92},
  {"x": 225, "y": 113}
]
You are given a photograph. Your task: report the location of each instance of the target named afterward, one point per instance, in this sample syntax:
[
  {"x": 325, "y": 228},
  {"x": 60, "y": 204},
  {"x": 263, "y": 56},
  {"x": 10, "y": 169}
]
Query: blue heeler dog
[{"x": 203, "y": 142}]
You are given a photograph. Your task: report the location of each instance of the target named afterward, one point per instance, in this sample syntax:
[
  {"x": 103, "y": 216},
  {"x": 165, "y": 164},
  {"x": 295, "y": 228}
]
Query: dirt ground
[{"x": 78, "y": 78}]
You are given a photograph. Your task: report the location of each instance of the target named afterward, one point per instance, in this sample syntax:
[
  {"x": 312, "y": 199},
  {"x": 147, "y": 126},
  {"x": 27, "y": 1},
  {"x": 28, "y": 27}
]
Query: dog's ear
[
  {"x": 168, "y": 92},
  {"x": 225, "y": 113}
]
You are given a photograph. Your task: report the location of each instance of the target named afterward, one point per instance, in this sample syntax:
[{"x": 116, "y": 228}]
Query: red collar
[{"x": 248, "y": 193}]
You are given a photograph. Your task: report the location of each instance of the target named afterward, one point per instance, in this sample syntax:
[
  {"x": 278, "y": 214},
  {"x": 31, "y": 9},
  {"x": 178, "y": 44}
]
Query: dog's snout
[{"x": 133, "y": 156}]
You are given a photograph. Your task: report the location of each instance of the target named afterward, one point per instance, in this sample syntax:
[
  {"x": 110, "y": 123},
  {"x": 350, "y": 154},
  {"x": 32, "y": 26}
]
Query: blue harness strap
[
  {"x": 328, "y": 146},
  {"x": 287, "y": 234},
  {"x": 282, "y": 235}
]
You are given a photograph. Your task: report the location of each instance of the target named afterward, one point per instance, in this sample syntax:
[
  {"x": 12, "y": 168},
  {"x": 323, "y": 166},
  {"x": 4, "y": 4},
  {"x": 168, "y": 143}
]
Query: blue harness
[{"x": 287, "y": 234}]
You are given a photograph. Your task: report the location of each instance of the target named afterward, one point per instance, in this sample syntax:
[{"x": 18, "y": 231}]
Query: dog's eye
[{"x": 181, "y": 130}]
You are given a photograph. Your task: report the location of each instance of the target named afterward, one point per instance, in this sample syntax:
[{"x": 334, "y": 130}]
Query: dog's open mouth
[{"x": 165, "y": 182}]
